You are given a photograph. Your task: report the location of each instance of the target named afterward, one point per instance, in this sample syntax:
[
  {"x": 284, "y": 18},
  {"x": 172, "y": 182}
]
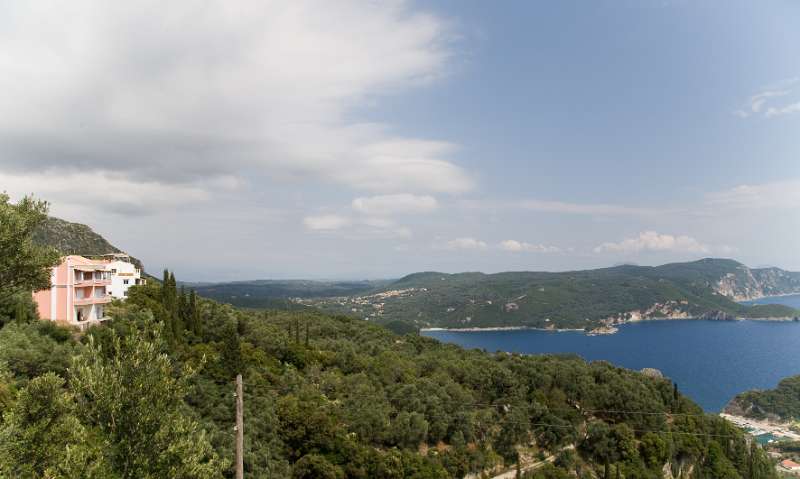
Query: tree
[
  {"x": 654, "y": 450},
  {"x": 232, "y": 350},
  {"x": 23, "y": 265},
  {"x": 132, "y": 396},
  {"x": 42, "y": 436},
  {"x": 314, "y": 466}
]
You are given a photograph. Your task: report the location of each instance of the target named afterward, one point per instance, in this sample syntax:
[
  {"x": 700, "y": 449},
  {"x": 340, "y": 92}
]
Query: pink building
[{"x": 77, "y": 295}]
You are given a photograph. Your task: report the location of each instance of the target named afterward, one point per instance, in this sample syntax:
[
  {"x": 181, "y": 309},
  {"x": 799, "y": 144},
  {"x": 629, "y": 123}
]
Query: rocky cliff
[{"x": 745, "y": 283}]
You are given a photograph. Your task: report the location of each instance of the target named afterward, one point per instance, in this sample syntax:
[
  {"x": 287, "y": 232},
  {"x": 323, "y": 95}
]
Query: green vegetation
[
  {"x": 575, "y": 299},
  {"x": 335, "y": 397},
  {"x": 273, "y": 293},
  {"x": 149, "y": 395},
  {"x": 73, "y": 238},
  {"x": 24, "y": 264},
  {"x": 782, "y": 402}
]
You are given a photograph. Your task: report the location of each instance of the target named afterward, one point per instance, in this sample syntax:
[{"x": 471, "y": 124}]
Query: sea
[{"x": 710, "y": 361}]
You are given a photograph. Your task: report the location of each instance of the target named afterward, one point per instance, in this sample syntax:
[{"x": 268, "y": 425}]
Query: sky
[{"x": 372, "y": 139}]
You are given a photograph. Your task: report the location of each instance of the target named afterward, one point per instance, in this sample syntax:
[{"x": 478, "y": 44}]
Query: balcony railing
[
  {"x": 93, "y": 282},
  {"x": 92, "y": 300}
]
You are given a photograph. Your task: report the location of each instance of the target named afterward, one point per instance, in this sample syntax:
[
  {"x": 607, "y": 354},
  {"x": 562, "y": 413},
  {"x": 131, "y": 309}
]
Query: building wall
[
  {"x": 57, "y": 303},
  {"x": 122, "y": 271}
]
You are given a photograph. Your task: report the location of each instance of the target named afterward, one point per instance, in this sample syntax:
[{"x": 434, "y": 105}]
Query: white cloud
[
  {"x": 184, "y": 92},
  {"x": 357, "y": 228},
  {"x": 466, "y": 244},
  {"x": 783, "y": 110},
  {"x": 326, "y": 222},
  {"x": 774, "y": 195},
  {"x": 522, "y": 246},
  {"x": 385, "y": 205},
  {"x": 756, "y": 103},
  {"x": 652, "y": 241},
  {"x": 77, "y": 192}
]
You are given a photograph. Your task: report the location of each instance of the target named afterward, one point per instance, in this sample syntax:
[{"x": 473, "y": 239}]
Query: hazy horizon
[{"x": 272, "y": 140}]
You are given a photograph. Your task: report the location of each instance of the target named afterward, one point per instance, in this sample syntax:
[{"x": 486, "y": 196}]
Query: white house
[{"x": 124, "y": 274}]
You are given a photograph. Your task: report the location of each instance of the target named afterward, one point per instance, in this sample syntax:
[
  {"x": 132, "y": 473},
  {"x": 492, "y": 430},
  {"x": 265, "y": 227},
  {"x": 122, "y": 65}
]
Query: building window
[
  {"x": 124, "y": 281},
  {"x": 113, "y": 271}
]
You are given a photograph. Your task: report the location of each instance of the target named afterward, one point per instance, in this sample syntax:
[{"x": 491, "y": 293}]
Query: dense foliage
[
  {"x": 23, "y": 263},
  {"x": 782, "y": 402},
  {"x": 334, "y": 397},
  {"x": 574, "y": 299},
  {"x": 149, "y": 395}
]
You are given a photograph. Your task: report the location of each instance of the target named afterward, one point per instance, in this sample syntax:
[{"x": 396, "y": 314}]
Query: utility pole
[{"x": 239, "y": 428}]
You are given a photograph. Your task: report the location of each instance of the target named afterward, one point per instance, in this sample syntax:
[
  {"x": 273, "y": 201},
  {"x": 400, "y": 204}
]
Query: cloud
[
  {"x": 756, "y": 103},
  {"x": 521, "y": 246},
  {"x": 326, "y": 222},
  {"x": 584, "y": 208},
  {"x": 385, "y": 205},
  {"x": 652, "y": 241},
  {"x": 784, "y": 110},
  {"x": 356, "y": 228},
  {"x": 466, "y": 244},
  {"x": 115, "y": 193},
  {"x": 185, "y": 92},
  {"x": 774, "y": 195}
]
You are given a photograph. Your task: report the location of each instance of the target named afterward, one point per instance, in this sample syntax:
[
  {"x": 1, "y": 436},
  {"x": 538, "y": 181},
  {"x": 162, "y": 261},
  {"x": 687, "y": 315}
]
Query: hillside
[
  {"x": 335, "y": 397},
  {"x": 576, "y": 299},
  {"x": 74, "y": 238},
  {"x": 148, "y": 394},
  {"x": 781, "y": 403},
  {"x": 270, "y": 293}
]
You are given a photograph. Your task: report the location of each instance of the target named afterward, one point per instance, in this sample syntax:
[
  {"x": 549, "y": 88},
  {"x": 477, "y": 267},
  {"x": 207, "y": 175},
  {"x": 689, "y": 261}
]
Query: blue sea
[{"x": 711, "y": 361}]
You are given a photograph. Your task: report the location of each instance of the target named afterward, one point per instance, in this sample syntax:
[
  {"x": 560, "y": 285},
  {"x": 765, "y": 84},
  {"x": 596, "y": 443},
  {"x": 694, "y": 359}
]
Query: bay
[{"x": 711, "y": 361}]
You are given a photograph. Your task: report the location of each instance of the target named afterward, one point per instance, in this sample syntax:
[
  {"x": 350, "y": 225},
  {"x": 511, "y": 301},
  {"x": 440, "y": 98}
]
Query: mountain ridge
[{"x": 581, "y": 299}]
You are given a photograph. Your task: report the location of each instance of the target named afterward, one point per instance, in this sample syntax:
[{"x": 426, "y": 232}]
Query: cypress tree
[
  {"x": 173, "y": 310},
  {"x": 194, "y": 314},
  {"x": 183, "y": 309},
  {"x": 231, "y": 351}
]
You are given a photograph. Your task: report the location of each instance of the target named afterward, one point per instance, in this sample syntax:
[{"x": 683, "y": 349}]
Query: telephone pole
[{"x": 239, "y": 428}]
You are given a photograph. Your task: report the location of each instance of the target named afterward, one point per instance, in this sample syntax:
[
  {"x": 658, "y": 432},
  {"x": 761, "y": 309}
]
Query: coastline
[
  {"x": 757, "y": 427},
  {"x": 783, "y": 295},
  {"x": 598, "y": 331},
  {"x": 501, "y": 328}
]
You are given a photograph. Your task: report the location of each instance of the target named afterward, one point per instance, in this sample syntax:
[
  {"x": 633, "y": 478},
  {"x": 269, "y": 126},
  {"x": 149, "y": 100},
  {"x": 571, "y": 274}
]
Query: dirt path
[{"x": 531, "y": 466}]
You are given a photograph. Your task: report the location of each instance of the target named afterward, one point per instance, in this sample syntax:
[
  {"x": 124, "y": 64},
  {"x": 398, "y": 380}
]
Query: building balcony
[
  {"x": 92, "y": 282},
  {"x": 92, "y": 300}
]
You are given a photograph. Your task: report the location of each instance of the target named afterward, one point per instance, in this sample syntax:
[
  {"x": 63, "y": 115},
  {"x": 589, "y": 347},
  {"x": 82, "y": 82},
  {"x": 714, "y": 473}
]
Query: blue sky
[{"x": 375, "y": 139}]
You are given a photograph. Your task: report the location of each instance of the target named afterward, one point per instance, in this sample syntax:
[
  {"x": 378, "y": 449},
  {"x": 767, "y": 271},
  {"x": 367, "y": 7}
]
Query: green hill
[
  {"x": 148, "y": 393},
  {"x": 575, "y": 299},
  {"x": 336, "y": 397},
  {"x": 270, "y": 293},
  {"x": 782, "y": 403},
  {"x": 74, "y": 238}
]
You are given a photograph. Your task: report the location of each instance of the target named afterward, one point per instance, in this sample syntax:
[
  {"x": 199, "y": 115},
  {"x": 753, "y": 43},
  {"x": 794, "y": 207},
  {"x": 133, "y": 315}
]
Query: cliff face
[{"x": 745, "y": 283}]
